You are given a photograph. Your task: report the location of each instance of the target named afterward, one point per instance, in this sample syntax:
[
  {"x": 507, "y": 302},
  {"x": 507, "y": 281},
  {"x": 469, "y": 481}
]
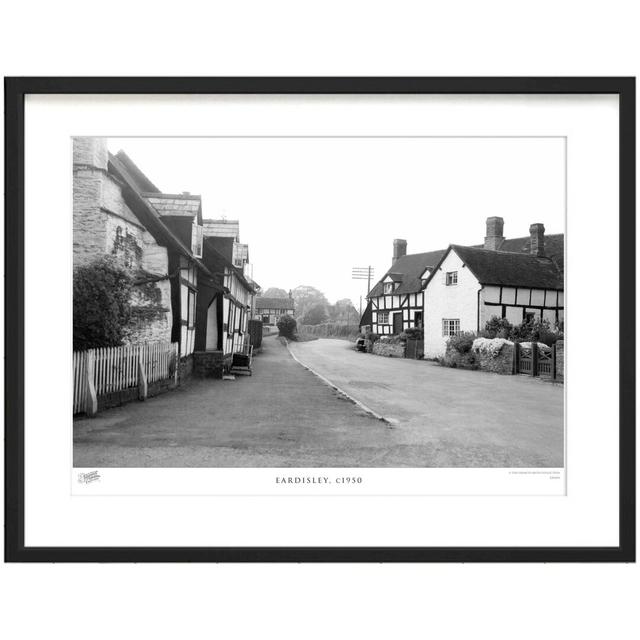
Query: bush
[
  {"x": 498, "y": 328},
  {"x": 287, "y": 327},
  {"x": 101, "y": 307},
  {"x": 413, "y": 333},
  {"x": 317, "y": 314},
  {"x": 463, "y": 342},
  {"x": 534, "y": 330},
  {"x": 331, "y": 330}
]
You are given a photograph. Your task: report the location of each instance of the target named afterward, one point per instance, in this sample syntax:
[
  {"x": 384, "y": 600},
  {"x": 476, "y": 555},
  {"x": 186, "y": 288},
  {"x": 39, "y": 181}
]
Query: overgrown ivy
[{"x": 101, "y": 304}]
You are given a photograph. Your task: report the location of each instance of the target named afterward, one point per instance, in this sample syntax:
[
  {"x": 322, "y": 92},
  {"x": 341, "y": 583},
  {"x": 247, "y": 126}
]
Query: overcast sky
[{"x": 313, "y": 208}]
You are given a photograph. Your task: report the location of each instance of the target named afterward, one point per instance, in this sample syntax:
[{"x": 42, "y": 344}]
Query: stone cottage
[{"x": 119, "y": 212}]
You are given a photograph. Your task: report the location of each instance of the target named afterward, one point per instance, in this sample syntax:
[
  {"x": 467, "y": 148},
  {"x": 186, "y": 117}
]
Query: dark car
[{"x": 361, "y": 344}]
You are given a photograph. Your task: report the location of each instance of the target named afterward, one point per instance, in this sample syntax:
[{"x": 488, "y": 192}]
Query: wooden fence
[{"x": 98, "y": 372}]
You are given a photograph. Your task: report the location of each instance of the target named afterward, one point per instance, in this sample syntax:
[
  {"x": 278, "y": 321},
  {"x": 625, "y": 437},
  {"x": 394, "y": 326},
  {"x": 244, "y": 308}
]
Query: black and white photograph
[{"x": 319, "y": 301}]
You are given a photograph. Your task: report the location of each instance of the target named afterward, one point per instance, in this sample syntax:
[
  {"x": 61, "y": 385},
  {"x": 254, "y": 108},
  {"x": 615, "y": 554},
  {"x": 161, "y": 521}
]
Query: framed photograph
[{"x": 320, "y": 319}]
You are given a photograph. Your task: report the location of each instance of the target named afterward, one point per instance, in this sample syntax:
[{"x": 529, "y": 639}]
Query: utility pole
[{"x": 363, "y": 273}]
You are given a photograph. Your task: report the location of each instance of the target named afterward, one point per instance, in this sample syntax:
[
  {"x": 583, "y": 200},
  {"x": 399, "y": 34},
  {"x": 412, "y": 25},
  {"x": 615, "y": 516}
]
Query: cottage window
[
  {"x": 388, "y": 287},
  {"x": 450, "y": 327},
  {"x": 383, "y": 317},
  {"x": 197, "y": 234},
  {"x": 451, "y": 278}
]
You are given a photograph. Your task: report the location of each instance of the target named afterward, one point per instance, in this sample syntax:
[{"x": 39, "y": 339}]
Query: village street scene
[{"x": 314, "y": 343}]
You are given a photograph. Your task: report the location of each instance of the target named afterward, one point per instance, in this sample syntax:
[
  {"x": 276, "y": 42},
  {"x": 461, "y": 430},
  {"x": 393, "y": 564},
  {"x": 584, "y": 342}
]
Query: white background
[
  {"x": 587, "y": 516},
  {"x": 333, "y": 38}
]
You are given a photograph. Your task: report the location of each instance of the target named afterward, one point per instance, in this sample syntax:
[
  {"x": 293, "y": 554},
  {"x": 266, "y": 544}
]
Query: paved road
[
  {"x": 284, "y": 416},
  {"x": 453, "y": 417}
]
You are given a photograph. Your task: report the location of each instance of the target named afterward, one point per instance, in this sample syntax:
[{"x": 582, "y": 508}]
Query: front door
[{"x": 397, "y": 323}]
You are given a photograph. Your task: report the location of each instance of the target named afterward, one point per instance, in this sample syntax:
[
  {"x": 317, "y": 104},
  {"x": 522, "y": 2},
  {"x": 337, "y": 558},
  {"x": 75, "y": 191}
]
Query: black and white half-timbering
[{"x": 235, "y": 304}]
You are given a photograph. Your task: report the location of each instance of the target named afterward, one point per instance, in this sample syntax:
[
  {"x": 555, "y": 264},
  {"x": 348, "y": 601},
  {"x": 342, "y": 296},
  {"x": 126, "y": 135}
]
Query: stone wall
[
  {"x": 560, "y": 360},
  {"x": 389, "y": 349},
  {"x": 103, "y": 225},
  {"x": 185, "y": 367},
  {"x": 502, "y": 363},
  {"x": 210, "y": 364}
]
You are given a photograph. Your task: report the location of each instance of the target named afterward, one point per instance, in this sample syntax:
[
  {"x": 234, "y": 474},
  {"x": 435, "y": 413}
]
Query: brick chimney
[
  {"x": 399, "y": 250},
  {"x": 537, "y": 239},
  {"x": 494, "y": 237}
]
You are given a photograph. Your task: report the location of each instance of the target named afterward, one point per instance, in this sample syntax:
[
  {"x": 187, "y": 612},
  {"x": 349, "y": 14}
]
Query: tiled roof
[
  {"x": 367, "y": 316},
  {"x": 274, "y": 303},
  {"x": 167, "y": 204},
  {"x": 553, "y": 247},
  {"x": 514, "y": 269},
  {"x": 130, "y": 176},
  {"x": 222, "y": 228},
  {"x": 410, "y": 268}
]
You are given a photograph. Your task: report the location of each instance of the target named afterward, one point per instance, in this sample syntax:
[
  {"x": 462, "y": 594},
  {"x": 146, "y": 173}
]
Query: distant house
[
  {"x": 119, "y": 212},
  {"x": 518, "y": 279},
  {"x": 270, "y": 310},
  {"x": 396, "y": 302}
]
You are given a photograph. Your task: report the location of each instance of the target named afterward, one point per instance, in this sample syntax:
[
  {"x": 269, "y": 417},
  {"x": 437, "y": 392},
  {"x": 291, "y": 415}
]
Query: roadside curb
[{"x": 335, "y": 387}]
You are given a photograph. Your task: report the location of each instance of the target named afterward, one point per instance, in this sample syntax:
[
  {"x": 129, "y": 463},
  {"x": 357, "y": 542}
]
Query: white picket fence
[{"x": 100, "y": 371}]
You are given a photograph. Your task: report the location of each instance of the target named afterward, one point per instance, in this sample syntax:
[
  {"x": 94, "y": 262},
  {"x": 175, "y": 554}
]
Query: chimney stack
[
  {"x": 399, "y": 250},
  {"x": 537, "y": 239},
  {"x": 494, "y": 237}
]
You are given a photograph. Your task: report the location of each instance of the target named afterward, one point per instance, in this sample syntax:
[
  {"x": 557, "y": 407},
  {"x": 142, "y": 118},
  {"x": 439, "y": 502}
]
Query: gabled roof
[
  {"x": 508, "y": 269},
  {"x": 367, "y": 315},
  {"x": 222, "y": 228},
  {"x": 553, "y": 247},
  {"x": 138, "y": 180},
  {"x": 145, "y": 211},
  {"x": 211, "y": 250},
  {"x": 409, "y": 268},
  {"x": 167, "y": 204},
  {"x": 274, "y": 303}
]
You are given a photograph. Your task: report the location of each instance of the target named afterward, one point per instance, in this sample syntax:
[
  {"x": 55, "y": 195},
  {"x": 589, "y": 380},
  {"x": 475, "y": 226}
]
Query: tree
[
  {"x": 287, "y": 326},
  {"x": 101, "y": 308},
  {"x": 305, "y": 297},
  {"x": 317, "y": 314},
  {"x": 343, "y": 312},
  {"x": 274, "y": 292}
]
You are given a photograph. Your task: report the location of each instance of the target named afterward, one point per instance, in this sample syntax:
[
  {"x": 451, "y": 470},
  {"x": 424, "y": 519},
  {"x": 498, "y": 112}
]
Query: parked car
[{"x": 361, "y": 344}]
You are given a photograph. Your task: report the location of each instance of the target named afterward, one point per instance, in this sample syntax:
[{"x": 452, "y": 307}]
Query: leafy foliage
[
  {"x": 498, "y": 328},
  {"x": 317, "y": 314},
  {"x": 274, "y": 292},
  {"x": 534, "y": 330},
  {"x": 101, "y": 308},
  {"x": 287, "y": 327},
  {"x": 463, "y": 342},
  {"x": 412, "y": 333}
]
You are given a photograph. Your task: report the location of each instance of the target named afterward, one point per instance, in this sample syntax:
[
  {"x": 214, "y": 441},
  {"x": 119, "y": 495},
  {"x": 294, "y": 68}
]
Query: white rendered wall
[{"x": 453, "y": 301}]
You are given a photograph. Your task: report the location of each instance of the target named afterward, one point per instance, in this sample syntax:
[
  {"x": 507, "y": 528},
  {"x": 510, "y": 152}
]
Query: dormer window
[
  {"x": 388, "y": 287},
  {"x": 197, "y": 236}
]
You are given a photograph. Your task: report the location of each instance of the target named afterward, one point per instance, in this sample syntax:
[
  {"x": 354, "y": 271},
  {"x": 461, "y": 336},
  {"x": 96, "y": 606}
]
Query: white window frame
[
  {"x": 450, "y": 327},
  {"x": 388, "y": 287},
  {"x": 383, "y": 317},
  {"x": 451, "y": 278},
  {"x": 197, "y": 239}
]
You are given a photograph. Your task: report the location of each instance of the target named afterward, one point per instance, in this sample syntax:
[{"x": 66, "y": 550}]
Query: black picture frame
[{"x": 15, "y": 91}]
